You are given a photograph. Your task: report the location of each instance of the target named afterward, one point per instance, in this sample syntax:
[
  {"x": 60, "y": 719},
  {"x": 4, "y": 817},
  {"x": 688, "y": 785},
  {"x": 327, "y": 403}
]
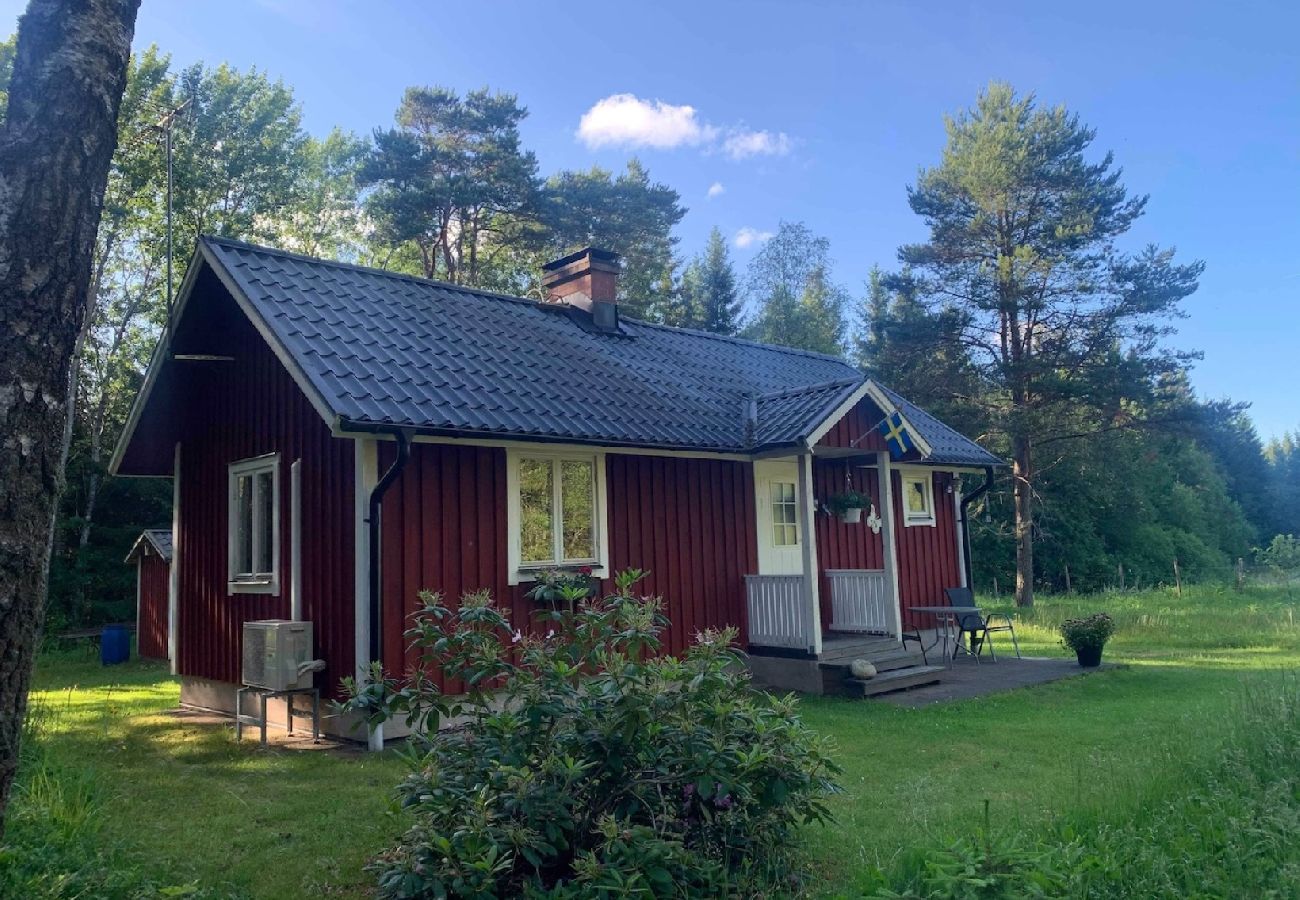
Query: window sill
[
  {"x": 913, "y": 523},
  {"x": 270, "y": 586}
]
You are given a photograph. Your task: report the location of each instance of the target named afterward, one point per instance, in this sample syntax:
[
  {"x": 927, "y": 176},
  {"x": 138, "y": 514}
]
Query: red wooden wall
[
  {"x": 688, "y": 522},
  {"x": 444, "y": 529},
  {"x": 859, "y": 424},
  {"x": 841, "y": 546},
  {"x": 154, "y": 574},
  {"x": 235, "y": 410},
  {"x": 928, "y": 558}
]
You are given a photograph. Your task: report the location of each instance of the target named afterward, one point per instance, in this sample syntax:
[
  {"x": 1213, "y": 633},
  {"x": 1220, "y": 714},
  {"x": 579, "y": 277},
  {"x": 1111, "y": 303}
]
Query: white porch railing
[
  {"x": 780, "y": 612},
  {"x": 860, "y": 601}
]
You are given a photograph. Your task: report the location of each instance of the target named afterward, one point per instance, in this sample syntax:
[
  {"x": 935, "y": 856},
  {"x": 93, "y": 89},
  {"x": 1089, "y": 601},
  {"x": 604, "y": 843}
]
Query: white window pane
[
  {"x": 577, "y": 499},
  {"x": 243, "y": 530},
  {"x": 264, "y": 494},
  {"x": 536, "y": 498}
]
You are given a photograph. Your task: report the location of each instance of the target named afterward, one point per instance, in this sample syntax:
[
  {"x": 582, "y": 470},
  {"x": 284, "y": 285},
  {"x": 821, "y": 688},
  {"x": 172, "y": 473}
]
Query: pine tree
[
  {"x": 709, "y": 296},
  {"x": 1064, "y": 329}
]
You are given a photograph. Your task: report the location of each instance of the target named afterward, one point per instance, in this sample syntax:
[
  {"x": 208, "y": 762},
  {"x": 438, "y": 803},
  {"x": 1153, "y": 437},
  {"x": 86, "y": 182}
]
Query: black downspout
[
  {"x": 965, "y": 524},
  {"x": 376, "y": 498}
]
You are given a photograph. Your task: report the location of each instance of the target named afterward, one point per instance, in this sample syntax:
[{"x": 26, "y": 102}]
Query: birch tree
[{"x": 57, "y": 142}]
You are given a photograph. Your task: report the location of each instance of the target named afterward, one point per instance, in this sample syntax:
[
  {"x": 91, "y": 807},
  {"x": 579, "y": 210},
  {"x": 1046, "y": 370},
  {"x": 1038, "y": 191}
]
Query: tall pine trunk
[
  {"x": 1024, "y": 513},
  {"x": 55, "y": 149}
]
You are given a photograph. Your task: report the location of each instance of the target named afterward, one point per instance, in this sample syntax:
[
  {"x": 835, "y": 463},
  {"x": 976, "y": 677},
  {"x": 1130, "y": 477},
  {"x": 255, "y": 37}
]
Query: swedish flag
[{"x": 894, "y": 431}]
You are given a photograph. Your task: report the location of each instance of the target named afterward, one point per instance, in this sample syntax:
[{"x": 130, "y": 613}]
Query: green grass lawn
[{"x": 112, "y": 781}]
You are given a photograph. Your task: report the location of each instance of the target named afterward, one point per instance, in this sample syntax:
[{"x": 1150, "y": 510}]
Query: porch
[{"x": 829, "y": 590}]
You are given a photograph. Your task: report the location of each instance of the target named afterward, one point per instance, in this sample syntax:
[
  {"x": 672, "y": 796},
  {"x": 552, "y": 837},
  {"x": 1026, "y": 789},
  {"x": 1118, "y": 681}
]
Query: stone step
[{"x": 897, "y": 680}]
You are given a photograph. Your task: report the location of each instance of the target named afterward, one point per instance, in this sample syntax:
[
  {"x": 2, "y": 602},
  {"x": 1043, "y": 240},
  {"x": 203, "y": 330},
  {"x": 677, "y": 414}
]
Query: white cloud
[
  {"x": 747, "y": 236},
  {"x": 625, "y": 120},
  {"x": 743, "y": 143},
  {"x": 716, "y": 190}
]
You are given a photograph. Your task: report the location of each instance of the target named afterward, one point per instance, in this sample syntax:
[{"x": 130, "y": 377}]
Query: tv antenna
[{"x": 166, "y": 124}]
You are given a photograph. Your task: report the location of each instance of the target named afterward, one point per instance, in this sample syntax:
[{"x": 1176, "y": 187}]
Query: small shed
[{"x": 152, "y": 555}]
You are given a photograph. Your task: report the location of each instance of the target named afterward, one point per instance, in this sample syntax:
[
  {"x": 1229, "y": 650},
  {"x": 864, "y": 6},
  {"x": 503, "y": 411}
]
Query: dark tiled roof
[
  {"x": 947, "y": 446},
  {"x": 783, "y": 416},
  {"x": 159, "y": 538},
  {"x": 387, "y": 349}
]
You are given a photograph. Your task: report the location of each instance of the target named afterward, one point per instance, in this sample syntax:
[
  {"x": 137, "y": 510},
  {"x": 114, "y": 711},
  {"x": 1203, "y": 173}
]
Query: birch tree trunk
[{"x": 55, "y": 149}]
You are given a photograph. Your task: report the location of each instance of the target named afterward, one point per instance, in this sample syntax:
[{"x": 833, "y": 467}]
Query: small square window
[
  {"x": 918, "y": 499},
  {"x": 253, "y": 536}
]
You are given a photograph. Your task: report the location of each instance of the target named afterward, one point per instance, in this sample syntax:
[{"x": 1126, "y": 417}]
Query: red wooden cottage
[
  {"x": 152, "y": 556},
  {"x": 340, "y": 438}
]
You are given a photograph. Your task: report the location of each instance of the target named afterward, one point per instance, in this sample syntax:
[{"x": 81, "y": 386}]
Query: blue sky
[{"x": 823, "y": 112}]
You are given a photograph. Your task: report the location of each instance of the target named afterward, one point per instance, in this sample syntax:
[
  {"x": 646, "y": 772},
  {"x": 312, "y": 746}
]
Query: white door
[{"x": 780, "y": 522}]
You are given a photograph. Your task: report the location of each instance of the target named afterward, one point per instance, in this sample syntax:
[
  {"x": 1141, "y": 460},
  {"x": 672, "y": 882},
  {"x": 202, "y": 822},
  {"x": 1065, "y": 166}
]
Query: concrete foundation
[
  {"x": 776, "y": 673},
  {"x": 218, "y": 697}
]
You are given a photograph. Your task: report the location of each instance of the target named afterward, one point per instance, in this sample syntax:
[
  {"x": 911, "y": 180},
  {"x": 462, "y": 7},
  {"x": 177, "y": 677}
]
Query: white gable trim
[
  {"x": 162, "y": 352},
  {"x": 872, "y": 390}
]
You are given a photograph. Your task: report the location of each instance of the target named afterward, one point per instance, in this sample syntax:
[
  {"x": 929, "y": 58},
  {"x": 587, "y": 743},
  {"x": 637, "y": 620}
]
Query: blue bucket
[{"x": 114, "y": 645}]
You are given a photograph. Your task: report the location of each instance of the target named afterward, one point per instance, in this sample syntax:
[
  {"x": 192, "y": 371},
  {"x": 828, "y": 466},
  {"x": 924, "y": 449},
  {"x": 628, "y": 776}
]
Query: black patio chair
[{"x": 977, "y": 628}]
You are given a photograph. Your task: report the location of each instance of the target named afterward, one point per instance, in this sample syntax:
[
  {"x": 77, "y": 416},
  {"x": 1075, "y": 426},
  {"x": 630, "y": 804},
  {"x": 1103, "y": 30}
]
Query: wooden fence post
[
  {"x": 1241, "y": 573},
  {"x": 1121, "y": 576},
  {"x": 1068, "y": 589},
  {"x": 1178, "y": 578}
]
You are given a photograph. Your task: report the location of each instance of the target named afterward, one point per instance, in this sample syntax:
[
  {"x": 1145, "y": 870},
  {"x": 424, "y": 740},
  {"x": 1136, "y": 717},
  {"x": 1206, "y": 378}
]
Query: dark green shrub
[
  {"x": 563, "y": 586},
  {"x": 588, "y": 766}
]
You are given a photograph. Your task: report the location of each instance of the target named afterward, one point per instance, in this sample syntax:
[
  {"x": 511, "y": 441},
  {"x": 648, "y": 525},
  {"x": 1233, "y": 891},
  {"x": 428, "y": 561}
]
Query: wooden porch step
[
  {"x": 897, "y": 680},
  {"x": 896, "y": 658},
  {"x": 835, "y": 675}
]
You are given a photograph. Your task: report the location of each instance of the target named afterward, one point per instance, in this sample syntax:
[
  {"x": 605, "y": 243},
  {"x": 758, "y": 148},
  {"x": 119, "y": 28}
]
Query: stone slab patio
[{"x": 966, "y": 679}]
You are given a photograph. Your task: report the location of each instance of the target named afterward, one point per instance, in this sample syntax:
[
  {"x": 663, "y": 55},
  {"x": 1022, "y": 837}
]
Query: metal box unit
[{"x": 273, "y": 651}]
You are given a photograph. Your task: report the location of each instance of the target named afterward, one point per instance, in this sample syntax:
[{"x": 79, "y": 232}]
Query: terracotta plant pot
[
  {"x": 851, "y": 516},
  {"x": 1089, "y": 657}
]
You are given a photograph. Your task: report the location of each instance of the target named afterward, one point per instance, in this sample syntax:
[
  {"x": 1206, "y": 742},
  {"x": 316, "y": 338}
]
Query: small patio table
[{"x": 949, "y": 618}]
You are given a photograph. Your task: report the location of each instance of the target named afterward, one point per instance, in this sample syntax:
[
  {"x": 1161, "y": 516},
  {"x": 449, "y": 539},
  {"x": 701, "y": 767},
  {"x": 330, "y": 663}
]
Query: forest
[{"x": 1061, "y": 360}]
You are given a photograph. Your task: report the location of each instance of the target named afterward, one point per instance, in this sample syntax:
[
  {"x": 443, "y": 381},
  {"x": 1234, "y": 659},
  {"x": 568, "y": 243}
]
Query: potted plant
[
  {"x": 848, "y": 506},
  {"x": 1086, "y": 637},
  {"x": 563, "y": 586}
]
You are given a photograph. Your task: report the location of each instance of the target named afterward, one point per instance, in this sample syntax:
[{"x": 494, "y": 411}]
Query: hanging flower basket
[{"x": 848, "y": 506}]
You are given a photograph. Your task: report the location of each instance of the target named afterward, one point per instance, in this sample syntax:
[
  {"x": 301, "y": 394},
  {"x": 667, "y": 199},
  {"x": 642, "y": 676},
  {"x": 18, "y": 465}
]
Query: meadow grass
[
  {"x": 1168, "y": 751},
  {"x": 111, "y": 781},
  {"x": 1085, "y": 755}
]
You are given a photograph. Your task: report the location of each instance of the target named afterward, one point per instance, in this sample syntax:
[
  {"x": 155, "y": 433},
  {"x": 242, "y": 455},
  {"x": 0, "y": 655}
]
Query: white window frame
[
  {"x": 260, "y": 582},
  {"x": 522, "y": 572},
  {"x": 918, "y": 476}
]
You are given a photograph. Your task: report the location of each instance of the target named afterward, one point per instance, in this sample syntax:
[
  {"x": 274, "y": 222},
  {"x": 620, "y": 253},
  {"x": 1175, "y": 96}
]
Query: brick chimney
[{"x": 586, "y": 279}]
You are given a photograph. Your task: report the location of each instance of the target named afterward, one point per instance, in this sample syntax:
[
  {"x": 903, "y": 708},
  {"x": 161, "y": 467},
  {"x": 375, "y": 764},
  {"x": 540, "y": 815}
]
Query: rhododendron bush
[{"x": 579, "y": 762}]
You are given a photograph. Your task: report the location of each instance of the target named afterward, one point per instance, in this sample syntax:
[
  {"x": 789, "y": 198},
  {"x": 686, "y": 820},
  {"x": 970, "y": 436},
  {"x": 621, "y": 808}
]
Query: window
[
  {"x": 254, "y": 526},
  {"x": 556, "y": 511},
  {"x": 785, "y": 520},
  {"x": 918, "y": 499}
]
